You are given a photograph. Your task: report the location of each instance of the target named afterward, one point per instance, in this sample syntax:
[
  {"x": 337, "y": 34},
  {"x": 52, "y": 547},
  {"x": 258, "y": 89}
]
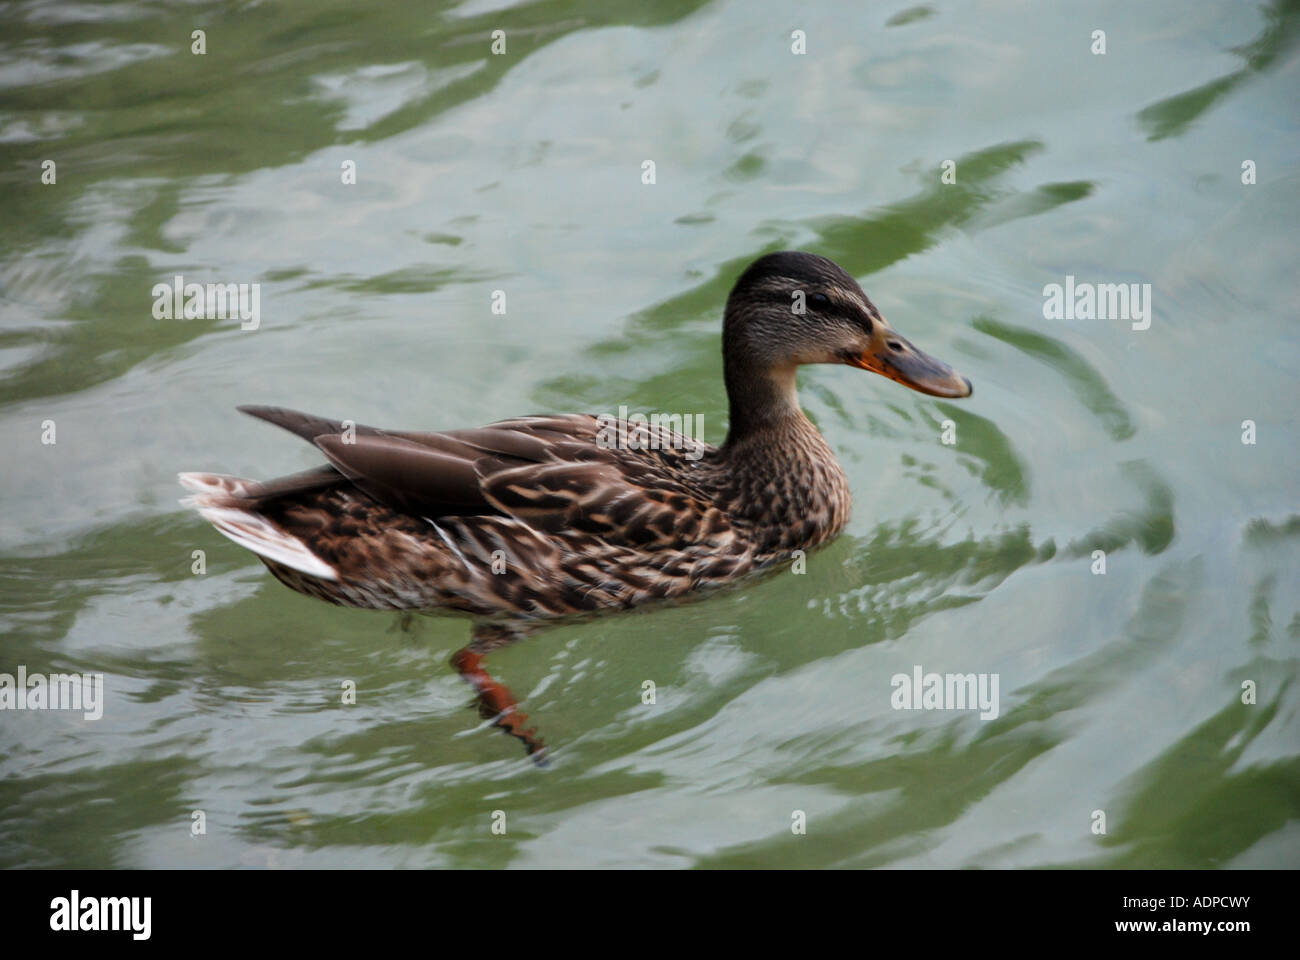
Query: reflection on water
[
  {"x": 1160, "y": 692},
  {"x": 1171, "y": 116}
]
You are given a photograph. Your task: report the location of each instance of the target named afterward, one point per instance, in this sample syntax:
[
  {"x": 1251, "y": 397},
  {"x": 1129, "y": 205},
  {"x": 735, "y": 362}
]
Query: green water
[{"x": 1120, "y": 693}]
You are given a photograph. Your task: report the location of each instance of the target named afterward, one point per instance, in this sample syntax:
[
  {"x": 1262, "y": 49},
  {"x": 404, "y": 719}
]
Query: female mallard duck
[{"x": 543, "y": 517}]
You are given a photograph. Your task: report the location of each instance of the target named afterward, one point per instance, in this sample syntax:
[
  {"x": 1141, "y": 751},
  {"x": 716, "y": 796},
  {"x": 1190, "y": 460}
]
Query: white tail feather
[
  {"x": 266, "y": 540},
  {"x": 218, "y": 484},
  {"x": 213, "y": 495}
]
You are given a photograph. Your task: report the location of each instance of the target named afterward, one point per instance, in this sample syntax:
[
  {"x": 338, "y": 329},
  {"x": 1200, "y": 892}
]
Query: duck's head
[{"x": 790, "y": 308}]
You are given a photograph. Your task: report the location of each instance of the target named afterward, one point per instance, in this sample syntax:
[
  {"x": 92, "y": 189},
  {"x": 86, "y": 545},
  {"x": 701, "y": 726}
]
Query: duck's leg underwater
[{"x": 495, "y": 701}]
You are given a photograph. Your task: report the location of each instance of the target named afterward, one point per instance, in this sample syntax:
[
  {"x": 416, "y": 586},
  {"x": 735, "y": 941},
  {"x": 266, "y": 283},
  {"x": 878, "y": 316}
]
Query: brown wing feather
[
  {"x": 405, "y": 474},
  {"x": 636, "y": 495},
  {"x": 548, "y": 472}
]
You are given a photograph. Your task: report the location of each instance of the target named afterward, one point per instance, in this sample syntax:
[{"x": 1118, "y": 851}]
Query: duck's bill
[{"x": 897, "y": 359}]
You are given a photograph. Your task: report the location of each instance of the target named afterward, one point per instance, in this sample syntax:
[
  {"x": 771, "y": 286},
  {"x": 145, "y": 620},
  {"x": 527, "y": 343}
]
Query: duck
[{"x": 536, "y": 519}]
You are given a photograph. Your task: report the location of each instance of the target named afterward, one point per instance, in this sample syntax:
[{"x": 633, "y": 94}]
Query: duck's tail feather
[
  {"x": 236, "y": 490},
  {"x": 306, "y": 425},
  {"x": 230, "y": 505}
]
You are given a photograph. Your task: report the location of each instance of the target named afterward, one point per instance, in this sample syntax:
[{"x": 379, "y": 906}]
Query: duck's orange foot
[{"x": 498, "y": 704}]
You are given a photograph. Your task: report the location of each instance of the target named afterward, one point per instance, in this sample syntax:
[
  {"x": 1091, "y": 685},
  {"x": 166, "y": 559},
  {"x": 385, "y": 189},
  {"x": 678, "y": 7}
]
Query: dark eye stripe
[
  {"x": 823, "y": 304},
  {"x": 834, "y": 308}
]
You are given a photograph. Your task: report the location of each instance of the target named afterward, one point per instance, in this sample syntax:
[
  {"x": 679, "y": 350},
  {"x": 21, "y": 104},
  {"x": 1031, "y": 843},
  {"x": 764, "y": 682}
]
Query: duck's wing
[
  {"x": 552, "y": 473},
  {"x": 639, "y": 494},
  {"x": 434, "y": 474}
]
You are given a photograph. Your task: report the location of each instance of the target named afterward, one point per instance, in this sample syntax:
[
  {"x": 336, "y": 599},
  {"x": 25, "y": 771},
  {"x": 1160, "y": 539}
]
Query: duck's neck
[
  {"x": 777, "y": 471},
  {"x": 761, "y": 400}
]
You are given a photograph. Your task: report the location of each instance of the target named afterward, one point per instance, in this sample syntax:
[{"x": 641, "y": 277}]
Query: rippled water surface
[{"x": 1120, "y": 693}]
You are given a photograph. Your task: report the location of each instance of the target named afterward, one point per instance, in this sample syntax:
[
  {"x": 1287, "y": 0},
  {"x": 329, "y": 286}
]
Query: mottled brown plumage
[
  {"x": 538, "y": 518},
  {"x": 543, "y": 517}
]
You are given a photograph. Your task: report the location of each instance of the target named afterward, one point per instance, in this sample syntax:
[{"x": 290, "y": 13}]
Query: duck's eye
[{"x": 820, "y": 299}]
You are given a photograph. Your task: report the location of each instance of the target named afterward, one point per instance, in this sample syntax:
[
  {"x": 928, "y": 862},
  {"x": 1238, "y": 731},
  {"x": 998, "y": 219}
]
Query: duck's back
[{"x": 538, "y": 516}]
